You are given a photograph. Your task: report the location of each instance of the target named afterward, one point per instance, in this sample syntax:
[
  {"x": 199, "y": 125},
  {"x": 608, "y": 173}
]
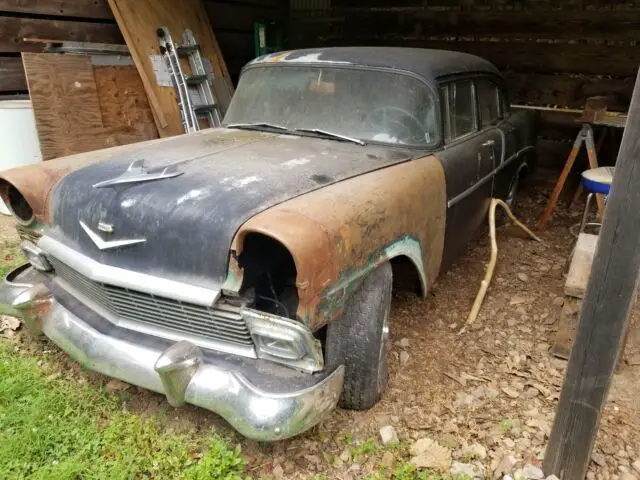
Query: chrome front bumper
[{"x": 181, "y": 371}]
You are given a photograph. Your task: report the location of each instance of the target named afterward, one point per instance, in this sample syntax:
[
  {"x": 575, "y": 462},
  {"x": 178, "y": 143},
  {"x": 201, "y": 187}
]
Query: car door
[
  {"x": 493, "y": 112},
  {"x": 469, "y": 157}
]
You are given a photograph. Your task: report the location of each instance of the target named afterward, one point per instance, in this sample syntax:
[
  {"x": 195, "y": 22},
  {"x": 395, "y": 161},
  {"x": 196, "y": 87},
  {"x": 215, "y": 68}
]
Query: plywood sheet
[
  {"x": 67, "y": 101},
  {"x": 138, "y": 21}
]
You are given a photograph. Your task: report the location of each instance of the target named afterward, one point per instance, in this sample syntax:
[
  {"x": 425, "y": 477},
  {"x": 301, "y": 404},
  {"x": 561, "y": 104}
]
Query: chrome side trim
[
  {"x": 184, "y": 375},
  {"x": 458, "y": 198},
  {"x": 123, "y": 278}
]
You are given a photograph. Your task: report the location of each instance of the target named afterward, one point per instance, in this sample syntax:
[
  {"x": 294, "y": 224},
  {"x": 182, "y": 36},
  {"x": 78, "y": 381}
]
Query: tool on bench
[{"x": 193, "y": 91}]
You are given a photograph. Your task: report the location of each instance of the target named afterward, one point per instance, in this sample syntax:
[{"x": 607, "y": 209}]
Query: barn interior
[{"x": 574, "y": 63}]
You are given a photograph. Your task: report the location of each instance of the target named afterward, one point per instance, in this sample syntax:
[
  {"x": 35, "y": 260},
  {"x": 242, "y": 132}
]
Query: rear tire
[{"x": 359, "y": 340}]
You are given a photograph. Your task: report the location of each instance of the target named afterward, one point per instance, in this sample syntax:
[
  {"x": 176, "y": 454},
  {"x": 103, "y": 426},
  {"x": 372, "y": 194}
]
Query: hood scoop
[{"x": 136, "y": 173}]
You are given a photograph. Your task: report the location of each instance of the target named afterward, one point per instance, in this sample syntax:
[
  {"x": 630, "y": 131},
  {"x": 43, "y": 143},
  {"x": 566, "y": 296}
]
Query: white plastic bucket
[{"x": 19, "y": 144}]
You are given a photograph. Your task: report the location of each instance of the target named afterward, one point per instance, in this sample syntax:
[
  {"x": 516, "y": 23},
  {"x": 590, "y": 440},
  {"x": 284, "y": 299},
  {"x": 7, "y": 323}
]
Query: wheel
[{"x": 359, "y": 340}]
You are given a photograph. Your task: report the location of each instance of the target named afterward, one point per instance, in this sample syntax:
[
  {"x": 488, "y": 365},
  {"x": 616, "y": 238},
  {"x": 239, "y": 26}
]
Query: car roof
[{"x": 426, "y": 63}]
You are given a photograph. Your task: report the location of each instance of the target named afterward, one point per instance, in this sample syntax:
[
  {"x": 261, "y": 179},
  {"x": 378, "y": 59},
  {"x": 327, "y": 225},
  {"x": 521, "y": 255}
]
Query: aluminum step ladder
[{"x": 193, "y": 91}]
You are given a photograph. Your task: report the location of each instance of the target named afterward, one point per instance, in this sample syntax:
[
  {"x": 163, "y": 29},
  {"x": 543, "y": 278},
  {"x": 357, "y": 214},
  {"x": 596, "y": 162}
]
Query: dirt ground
[{"x": 495, "y": 385}]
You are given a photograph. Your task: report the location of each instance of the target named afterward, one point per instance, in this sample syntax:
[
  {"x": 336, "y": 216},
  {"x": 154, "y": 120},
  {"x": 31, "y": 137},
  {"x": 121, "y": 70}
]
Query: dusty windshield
[{"x": 364, "y": 104}]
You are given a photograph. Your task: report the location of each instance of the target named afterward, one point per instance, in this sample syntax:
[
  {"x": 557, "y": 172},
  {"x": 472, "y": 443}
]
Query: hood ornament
[
  {"x": 136, "y": 173},
  {"x": 106, "y": 245}
]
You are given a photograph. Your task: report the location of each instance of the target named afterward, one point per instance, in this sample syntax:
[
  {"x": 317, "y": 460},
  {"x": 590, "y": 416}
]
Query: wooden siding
[
  {"x": 92, "y": 21},
  {"x": 552, "y": 53}
]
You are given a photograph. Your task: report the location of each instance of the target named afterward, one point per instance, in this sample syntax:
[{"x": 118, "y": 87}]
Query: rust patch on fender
[{"x": 338, "y": 233}]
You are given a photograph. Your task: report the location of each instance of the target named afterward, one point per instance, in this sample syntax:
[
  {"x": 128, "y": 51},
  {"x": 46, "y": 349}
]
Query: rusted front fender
[{"x": 338, "y": 234}]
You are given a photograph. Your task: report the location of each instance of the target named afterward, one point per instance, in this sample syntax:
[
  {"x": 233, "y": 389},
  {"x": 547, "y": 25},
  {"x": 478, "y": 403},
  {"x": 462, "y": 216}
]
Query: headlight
[
  {"x": 284, "y": 341},
  {"x": 36, "y": 257},
  {"x": 19, "y": 206}
]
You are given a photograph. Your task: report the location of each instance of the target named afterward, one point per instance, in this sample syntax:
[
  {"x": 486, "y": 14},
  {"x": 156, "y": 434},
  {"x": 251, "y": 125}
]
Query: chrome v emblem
[
  {"x": 136, "y": 173},
  {"x": 106, "y": 245}
]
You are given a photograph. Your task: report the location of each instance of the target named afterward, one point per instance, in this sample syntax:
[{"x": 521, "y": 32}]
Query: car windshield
[{"x": 368, "y": 105}]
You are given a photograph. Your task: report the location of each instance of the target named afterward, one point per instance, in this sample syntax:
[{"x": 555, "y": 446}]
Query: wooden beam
[
  {"x": 56, "y": 46},
  {"x": 98, "y": 9},
  {"x": 604, "y": 317},
  {"x": 15, "y": 29}
]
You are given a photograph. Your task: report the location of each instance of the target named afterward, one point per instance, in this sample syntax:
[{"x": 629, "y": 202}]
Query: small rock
[
  {"x": 523, "y": 277},
  {"x": 636, "y": 466},
  {"x": 507, "y": 477},
  {"x": 553, "y": 477},
  {"x": 508, "y": 442},
  {"x": 590, "y": 475},
  {"x": 598, "y": 459},
  {"x": 404, "y": 357},
  {"x": 428, "y": 453},
  {"x": 491, "y": 392},
  {"x": 464, "y": 470},
  {"x": 387, "y": 459},
  {"x": 558, "y": 302},
  {"x": 404, "y": 342},
  {"x": 511, "y": 392},
  {"x": 504, "y": 465},
  {"x": 115, "y": 385},
  {"x": 517, "y": 300},
  {"x": 476, "y": 451},
  {"x": 388, "y": 435},
  {"x": 278, "y": 472},
  {"x": 532, "y": 472},
  {"x": 627, "y": 476}
]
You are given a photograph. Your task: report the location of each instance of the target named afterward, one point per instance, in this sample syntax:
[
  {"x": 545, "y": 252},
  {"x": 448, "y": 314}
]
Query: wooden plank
[
  {"x": 12, "y": 75},
  {"x": 56, "y": 46},
  {"x": 569, "y": 91},
  {"x": 604, "y": 316},
  {"x": 71, "y": 8},
  {"x": 124, "y": 106},
  {"x": 526, "y": 23},
  {"x": 567, "y": 326},
  {"x": 580, "y": 267},
  {"x": 67, "y": 103},
  {"x": 14, "y": 30},
  {"x": 138, "y": 21}
]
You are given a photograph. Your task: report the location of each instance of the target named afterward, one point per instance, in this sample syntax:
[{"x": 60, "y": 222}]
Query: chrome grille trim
[
  {"x": 220, "y": 327},
  {"x": 127, "y": 279}
]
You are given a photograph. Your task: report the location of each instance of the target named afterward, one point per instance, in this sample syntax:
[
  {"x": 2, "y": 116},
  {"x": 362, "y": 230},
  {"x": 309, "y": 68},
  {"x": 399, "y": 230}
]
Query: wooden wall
[
  {"x": 552, "y": 52},
  {"x": 92, "y": 21}
]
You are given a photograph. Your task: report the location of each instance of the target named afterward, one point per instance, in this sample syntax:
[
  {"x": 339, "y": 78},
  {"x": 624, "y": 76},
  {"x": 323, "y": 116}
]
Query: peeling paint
[
  {"x": 129, "y": 202},
  {"x": 295, "y": 162},
  {"x": 243, "y": 182},
  {"x": 190, "y": 195}
]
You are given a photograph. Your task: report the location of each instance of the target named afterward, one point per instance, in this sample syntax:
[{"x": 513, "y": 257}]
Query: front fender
[{"x": 338, "y": 234}]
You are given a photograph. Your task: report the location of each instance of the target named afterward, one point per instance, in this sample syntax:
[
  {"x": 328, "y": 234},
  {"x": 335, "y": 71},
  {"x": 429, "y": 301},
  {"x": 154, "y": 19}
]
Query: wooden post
[{"x": 604, "y": 317}]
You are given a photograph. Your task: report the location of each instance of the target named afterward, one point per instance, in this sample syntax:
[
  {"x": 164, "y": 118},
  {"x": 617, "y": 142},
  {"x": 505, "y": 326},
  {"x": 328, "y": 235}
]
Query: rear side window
[
  {"x": 458, "y": 109},
  {"x": 488, "y": 102}
]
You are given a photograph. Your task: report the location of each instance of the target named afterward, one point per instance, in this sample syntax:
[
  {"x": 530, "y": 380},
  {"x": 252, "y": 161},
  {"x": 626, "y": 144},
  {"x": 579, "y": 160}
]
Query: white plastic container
[{"x": 19, "y": 144}]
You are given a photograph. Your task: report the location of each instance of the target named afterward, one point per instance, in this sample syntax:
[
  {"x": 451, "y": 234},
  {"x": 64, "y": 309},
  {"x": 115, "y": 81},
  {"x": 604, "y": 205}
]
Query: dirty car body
[{"x": 211, "y": 267}]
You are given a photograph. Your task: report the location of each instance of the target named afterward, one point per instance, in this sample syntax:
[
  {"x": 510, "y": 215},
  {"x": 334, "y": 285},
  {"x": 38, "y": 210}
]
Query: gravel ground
[{"x": 481, "y": 402}]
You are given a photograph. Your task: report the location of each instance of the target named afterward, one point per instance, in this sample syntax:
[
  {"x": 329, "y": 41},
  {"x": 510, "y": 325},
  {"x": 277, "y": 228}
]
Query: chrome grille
[{"x": 223, "y": 322}]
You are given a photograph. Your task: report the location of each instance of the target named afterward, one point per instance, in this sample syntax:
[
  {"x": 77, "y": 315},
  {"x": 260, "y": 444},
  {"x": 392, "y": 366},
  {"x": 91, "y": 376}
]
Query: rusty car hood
[{"x": 216, "y": 180}]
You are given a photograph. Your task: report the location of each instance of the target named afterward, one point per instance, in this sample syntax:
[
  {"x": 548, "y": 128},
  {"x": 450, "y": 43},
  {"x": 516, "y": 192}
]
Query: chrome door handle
[{"x": 489, "y": 143}]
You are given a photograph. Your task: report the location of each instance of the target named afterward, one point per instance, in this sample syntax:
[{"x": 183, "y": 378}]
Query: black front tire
[{"x": 359, "y": 340}]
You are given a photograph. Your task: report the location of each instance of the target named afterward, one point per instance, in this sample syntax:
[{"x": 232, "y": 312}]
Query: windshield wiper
[
  {"x": 257, "y": 126},
  {"x": 325, "y": 133}
]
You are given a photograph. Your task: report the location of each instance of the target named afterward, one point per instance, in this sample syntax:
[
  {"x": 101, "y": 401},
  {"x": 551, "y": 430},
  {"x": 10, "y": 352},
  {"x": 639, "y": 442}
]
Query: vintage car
[{"x": 248, "y": 269}]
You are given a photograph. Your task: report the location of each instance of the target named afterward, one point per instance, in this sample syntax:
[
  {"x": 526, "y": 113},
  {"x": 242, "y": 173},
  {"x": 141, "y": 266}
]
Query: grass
[{"x": 55, "y": 429}]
